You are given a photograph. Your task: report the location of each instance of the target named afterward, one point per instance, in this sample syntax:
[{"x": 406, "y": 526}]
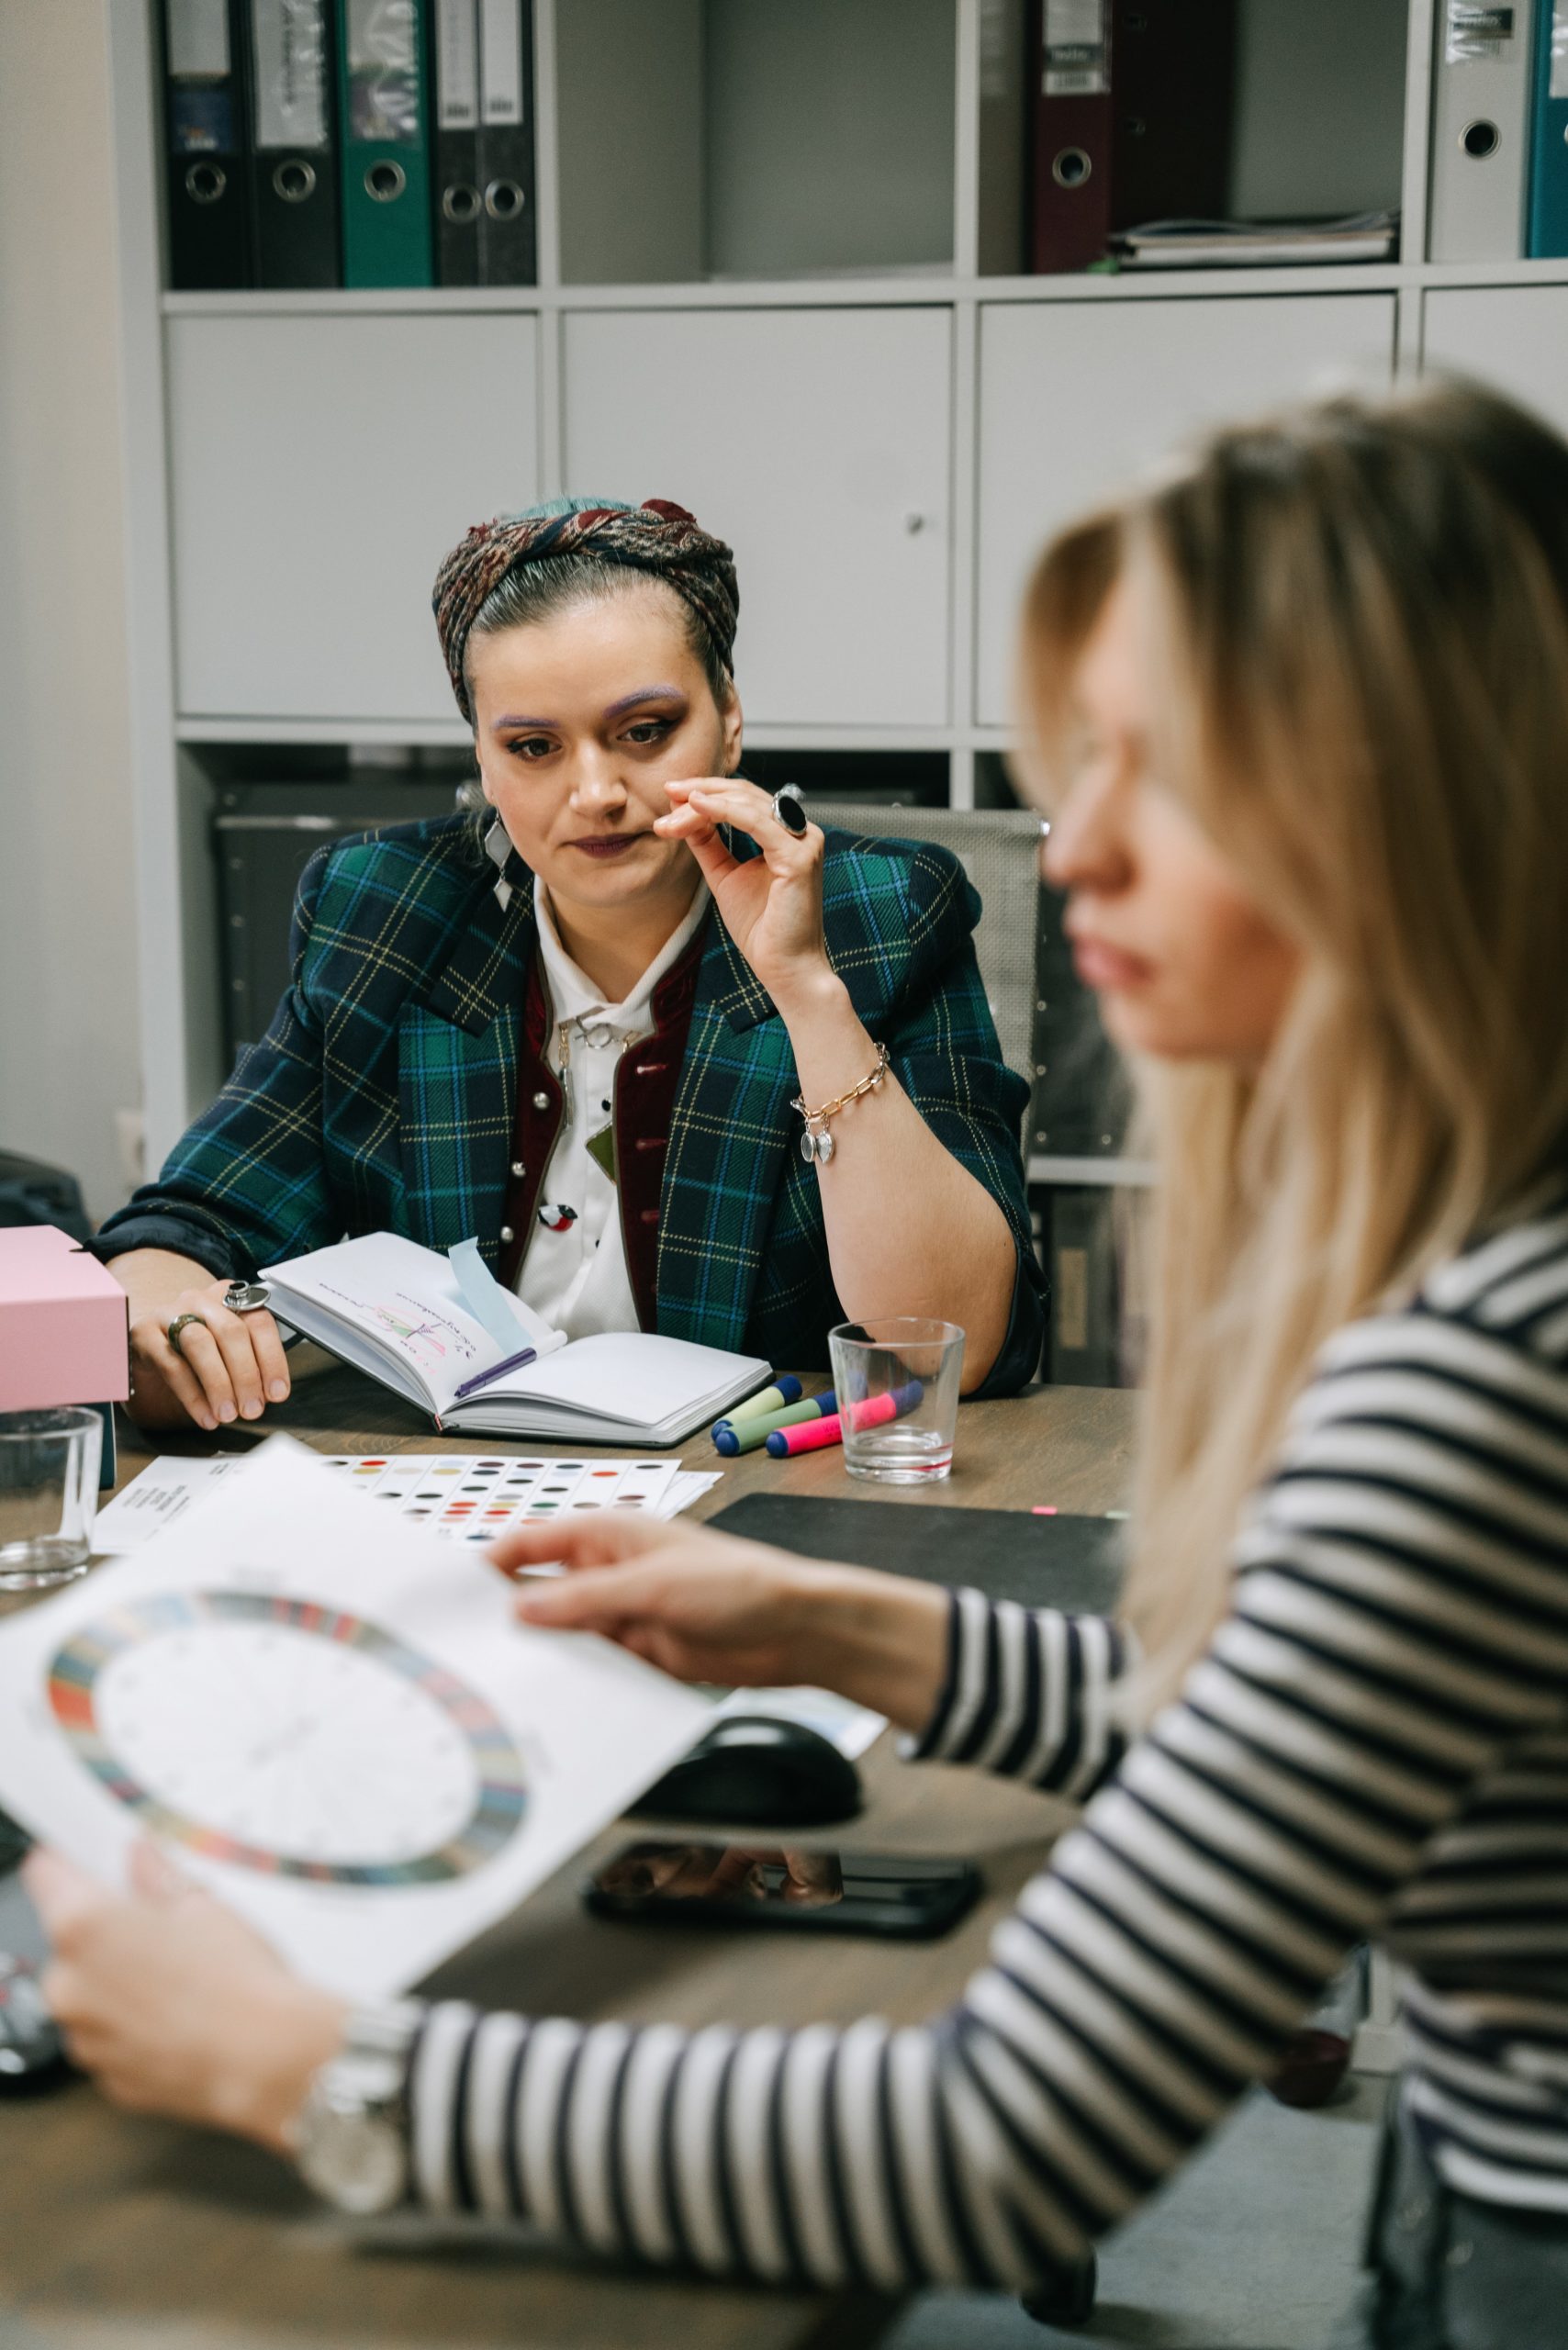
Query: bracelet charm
[{"x": 817, "y": 1142}]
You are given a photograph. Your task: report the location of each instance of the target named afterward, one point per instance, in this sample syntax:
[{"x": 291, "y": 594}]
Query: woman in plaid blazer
[{"x": 626, "y": 895}]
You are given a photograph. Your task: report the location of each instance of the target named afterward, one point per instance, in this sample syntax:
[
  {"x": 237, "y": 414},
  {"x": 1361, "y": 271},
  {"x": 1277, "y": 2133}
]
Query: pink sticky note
[{"x": 64, "y": 1324}]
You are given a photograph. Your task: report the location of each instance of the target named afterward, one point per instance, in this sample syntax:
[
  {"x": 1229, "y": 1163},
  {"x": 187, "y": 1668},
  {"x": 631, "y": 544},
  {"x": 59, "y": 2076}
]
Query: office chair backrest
[{"x": 999, "y": 850}]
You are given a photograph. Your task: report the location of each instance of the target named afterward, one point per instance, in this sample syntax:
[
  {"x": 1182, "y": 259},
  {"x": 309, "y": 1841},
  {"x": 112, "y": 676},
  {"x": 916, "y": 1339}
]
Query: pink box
[{"x": 64, "y": 1324}]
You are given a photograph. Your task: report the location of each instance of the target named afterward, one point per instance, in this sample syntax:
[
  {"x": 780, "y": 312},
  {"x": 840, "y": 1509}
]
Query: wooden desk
[{"x": 119, "y": 2234}]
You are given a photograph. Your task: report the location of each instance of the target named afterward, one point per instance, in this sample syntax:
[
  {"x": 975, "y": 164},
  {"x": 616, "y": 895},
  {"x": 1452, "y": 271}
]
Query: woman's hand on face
[
  {"x": 174, "y": 2004},
  {"x": 231, "y": 1369},
  {"x": 699, "y": 1605},
  {"x": 772, "y": 904}
]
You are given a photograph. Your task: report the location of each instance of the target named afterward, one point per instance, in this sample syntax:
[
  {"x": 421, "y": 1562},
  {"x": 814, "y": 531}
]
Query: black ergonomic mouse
[
  {"x": 753, "y": 1771},
  {"x": 31, "y": 2051}
]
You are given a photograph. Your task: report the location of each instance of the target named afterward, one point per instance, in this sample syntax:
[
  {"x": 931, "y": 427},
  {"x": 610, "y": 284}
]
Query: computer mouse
[
  {"x": 751, "y": 1770},
  {"x": 30, "y": 2047}
]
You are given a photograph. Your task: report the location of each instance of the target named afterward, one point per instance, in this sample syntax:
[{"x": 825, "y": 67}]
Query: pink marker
[{"x": 811, "y": 1435}]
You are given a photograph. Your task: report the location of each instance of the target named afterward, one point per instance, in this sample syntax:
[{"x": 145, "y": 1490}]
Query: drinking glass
[
  {"x": 896, "y": 1378},
  {"x": 49, "y": 1491}
]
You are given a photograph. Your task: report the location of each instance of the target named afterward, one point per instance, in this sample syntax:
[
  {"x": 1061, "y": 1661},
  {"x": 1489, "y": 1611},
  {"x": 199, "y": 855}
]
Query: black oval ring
[{"x": 789, "y": 811}]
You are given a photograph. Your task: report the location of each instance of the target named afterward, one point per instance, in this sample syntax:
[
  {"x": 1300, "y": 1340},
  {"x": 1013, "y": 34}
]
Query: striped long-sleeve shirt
[{"x": 1374, "y": 1744}]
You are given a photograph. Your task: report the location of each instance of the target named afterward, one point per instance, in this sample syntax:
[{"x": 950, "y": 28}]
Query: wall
[{"x": 69, "y": 1055}]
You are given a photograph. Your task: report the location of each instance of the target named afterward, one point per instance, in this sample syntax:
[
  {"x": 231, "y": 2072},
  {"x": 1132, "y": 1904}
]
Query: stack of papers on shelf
[{"x": 1258, "y": 245}]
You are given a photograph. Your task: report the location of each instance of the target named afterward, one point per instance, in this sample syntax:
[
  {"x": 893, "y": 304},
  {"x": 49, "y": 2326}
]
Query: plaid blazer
[{"x": 382, "y": 1096}]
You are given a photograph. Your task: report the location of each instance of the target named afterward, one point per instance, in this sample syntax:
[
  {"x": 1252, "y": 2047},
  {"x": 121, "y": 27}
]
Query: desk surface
[{"x": 119, "y": 2234}]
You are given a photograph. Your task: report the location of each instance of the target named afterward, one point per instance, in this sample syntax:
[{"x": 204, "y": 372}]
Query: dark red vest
[{"x": 646, "y": 1078}]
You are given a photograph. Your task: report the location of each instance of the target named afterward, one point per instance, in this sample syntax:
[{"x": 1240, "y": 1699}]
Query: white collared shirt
[{"x": 578, "y": 1277}]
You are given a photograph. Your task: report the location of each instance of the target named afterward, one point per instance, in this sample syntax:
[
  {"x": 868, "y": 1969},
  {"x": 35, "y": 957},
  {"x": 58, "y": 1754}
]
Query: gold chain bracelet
[{"x": 816, "y": 1142}]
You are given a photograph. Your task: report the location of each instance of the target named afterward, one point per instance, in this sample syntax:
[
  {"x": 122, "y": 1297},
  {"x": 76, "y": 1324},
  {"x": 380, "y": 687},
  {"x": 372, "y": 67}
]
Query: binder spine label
[
  {"x": 456, "y": 65},
  {"x": 198, "y": 39},
  {"x": 1475, "y": 36},
  {"x": 1557, "y": 73},
  {"x": 383, "y": 60},
  {"x": 1078, "y": 48},
  {"x": 288, "y": 43},
  {"x": 501, "y": 72}
]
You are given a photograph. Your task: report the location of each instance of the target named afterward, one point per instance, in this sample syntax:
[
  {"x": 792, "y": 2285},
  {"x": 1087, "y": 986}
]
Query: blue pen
[{"x": 497, "y": 1370}]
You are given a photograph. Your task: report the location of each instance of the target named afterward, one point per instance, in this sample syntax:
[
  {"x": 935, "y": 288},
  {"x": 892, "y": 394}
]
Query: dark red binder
[
  {"x": 1071, "y": 121},
  {"x": 1174, "y": 100}
]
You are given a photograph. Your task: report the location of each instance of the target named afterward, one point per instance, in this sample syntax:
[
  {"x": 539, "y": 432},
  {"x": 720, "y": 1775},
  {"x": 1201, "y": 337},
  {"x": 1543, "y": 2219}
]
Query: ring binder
[
  {"x": 384, "y": 143},
  {"x": 203, "y": 128},
  {"x": 1480, "y": 126},
  {"x": 294, "y": 192},
  {"x": 507, "y": 239},
  {"x": 1549, "y": 159},
  {"x": 460, "y": 203},
  {"x": 1071, "y": 124}
]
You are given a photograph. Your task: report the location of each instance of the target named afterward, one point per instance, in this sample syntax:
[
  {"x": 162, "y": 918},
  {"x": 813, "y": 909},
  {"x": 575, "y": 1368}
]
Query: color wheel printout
[{"x": 330, "y": 1717}]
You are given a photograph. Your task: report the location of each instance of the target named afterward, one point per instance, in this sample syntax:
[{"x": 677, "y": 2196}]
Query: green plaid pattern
[{"x": 382, "y": 1096}]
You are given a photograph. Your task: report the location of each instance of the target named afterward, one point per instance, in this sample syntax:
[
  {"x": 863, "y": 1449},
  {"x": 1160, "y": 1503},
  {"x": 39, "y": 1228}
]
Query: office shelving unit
[{"x": 779, "y": 280}]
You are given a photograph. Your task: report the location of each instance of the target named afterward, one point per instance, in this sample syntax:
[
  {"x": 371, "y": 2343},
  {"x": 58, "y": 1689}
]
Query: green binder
[{"x": 385, "y": 139}]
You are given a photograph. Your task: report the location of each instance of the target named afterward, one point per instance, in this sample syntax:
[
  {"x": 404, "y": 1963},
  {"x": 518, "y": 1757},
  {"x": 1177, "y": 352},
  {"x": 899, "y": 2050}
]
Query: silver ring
[
  {"x": 788, "y": 809},
  {"x": 182, "y": 1322},
  {"x": 246, "y": 1297}
]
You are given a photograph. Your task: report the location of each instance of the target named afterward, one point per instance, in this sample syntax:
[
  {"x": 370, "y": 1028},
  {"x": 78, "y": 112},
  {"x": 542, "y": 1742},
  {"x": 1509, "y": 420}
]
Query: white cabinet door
[
  {"x": 1513, "y": 337},
  {"x": 817, "y": 443},
  {"x": 321, "y": 469},
  {"x": 1076, "y": 396}
]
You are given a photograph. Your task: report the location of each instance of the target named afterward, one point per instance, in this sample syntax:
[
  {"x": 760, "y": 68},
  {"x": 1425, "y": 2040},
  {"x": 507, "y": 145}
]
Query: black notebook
[{"x": 1062, "y": 1561}]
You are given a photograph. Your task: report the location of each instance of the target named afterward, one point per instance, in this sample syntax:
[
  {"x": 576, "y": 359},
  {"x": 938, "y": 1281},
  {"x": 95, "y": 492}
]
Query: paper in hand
[{"x": 331, "y": 1717}]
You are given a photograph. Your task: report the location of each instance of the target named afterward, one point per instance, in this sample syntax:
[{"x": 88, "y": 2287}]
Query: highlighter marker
[
  {"x": 752, "y": 1433},
  {"x": 814, "y": 1435},
  {"x": 789, "y": 1390}
]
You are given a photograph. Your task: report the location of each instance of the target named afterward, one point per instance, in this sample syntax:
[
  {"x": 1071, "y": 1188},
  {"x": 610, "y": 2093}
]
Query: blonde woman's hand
[
  {"x": 705, "y": 1606},
  {"x": 772, "y": 904},
  {"x": 228, "y": 1366},
  {"x": 174, "y": 2004}
]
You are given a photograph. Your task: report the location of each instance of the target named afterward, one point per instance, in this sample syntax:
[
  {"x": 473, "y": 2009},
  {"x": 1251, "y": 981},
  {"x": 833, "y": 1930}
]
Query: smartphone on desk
[{"x": 757, "y": 1886}]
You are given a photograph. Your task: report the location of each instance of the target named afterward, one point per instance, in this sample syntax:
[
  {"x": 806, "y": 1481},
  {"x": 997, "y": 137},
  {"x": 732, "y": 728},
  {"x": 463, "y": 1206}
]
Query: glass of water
[
  {"x": 49, "y": 1491},
  {"x": 896, "y": 1378}
]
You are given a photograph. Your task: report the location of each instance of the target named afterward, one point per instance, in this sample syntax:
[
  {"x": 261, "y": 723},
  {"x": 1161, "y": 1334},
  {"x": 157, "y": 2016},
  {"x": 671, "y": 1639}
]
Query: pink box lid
[{"x": 64, "y": 1322}]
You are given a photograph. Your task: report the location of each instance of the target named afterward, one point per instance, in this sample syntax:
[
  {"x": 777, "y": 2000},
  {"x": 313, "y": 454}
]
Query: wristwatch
[{"x": 350, "y": 2141}]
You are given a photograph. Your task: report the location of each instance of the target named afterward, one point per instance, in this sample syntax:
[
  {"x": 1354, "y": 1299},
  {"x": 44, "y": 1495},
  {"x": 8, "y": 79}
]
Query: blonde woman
[{"x": 1302, "y": 714}]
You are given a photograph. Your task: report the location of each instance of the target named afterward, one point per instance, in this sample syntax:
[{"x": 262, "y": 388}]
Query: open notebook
[{"x": 399, "y": 1312}]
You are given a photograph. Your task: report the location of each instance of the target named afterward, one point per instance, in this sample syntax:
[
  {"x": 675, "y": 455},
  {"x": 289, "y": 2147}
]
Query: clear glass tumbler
[
  {"x": 49, "y": 1491},
  {"x": 896, "y": 1378}
]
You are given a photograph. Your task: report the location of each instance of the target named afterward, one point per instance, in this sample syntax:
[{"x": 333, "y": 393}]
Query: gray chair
[{"x": 999, "y": 850}]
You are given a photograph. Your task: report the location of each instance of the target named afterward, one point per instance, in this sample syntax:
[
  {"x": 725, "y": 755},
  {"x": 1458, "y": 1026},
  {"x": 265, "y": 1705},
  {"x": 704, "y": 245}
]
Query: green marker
[
  {"x": 757, "y": 1407},
  {"x": 751, "y": 1433}
]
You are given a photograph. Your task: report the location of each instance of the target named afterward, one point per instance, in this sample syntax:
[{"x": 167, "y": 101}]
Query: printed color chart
[{"x": 473, "y": 1497}]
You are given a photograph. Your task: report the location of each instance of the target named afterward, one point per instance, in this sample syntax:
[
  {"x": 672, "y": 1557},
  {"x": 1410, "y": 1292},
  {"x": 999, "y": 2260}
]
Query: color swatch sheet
[
  {"x": 336, "y": 1724},
  {"x": 473, "y": 1497},
  {"x": 465, "y": 1496}
]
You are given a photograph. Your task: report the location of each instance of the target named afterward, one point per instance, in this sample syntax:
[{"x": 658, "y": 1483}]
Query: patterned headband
[{"x": 657, "y": 537}]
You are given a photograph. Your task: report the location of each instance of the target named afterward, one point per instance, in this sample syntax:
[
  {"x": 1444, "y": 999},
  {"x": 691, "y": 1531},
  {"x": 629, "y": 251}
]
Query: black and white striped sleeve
[
  {"x": 1398, "y": 1632},
  {"x": 1030, "y": 1694}
]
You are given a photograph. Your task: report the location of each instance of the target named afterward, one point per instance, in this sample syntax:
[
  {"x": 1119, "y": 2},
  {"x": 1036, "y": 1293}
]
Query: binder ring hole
[
  {"x": 1071, "y": 167},
  {"x": 460, "y": 203},
  {"x": 294, "y": 180},
  {"x": 504, "y": 199},
  {"x": 383, "y": 183},
  {"x": 1481, "y": 139},
  {"x": 205, "y": 183}
]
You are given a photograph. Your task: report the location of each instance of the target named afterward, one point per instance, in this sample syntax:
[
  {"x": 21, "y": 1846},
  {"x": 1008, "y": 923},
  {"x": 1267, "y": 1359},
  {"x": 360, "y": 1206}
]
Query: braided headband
[{"x": 657, "y": 537}]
